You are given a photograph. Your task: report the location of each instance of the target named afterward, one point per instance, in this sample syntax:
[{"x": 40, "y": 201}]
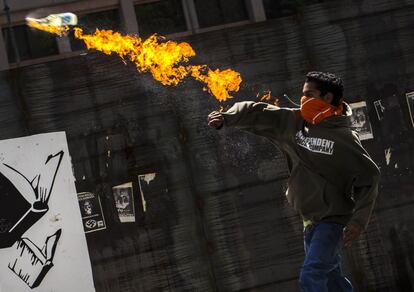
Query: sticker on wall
[
  {"x": 91, "y": 211},
  {"x": 42, "y": 244},
  {"x": 124, "y": 201},
  {"x": 360, "y": 121},
  {"x": 410, "y": 103},
  {"x": 379, "y": 109}
]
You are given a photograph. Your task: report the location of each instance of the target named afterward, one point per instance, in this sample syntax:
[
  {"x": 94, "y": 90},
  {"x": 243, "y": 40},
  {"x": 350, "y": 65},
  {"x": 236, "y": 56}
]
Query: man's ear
[{"x": 328, "y": 97}]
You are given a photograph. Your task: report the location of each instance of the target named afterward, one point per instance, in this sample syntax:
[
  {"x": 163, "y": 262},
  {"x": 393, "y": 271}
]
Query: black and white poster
[
  {"x": 91, "y": 211},
  {"x": 360, "y": 120},
  {"x": 42, "y": 244},
  {"x": 124, "y": 201},
  {"x": 410, "y": 103}
]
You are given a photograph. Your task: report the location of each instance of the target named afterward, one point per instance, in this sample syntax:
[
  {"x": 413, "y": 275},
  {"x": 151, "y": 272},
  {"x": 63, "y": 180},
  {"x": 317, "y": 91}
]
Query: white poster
[
  {"x": 42, "y": 243},
  {"x": 360, "y": 121},
  {"x": 124, "y": 201}
]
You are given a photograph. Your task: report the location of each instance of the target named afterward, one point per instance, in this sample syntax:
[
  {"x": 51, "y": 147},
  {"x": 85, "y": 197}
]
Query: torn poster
[
  {"x": 144, "y": 181},
  {"x": 360, "y": 120},
  {"x": 379, "y": 109},
  {"x": 124, "y": 201},
  {"x": 91, "y": 211},
  {"x": 410, "y": 103},
  {"x": 154, "y": 193},
  {"x": 42, "y": 244}
]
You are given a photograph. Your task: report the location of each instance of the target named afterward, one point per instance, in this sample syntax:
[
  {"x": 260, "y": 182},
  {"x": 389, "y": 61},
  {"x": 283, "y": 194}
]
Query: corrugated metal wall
[{"x": 217, "y": 219}]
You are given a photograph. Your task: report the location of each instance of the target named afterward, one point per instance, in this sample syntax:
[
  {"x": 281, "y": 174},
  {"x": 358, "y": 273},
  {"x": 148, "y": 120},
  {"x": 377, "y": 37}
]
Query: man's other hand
[
  {"x": 351, "y": 232},
  {"x": 215, "y": 120}
]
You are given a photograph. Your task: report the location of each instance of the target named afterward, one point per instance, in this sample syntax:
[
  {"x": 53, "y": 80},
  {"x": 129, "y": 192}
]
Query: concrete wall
[{"x": 224, "y": 224}]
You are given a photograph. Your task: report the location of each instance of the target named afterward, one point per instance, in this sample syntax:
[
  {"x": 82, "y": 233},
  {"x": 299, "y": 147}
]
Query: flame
[
  {"x": 218, "y": 83},
  {"x": 58, "y": 30},
  {"x": 165, "y": 60},
  {"x": 162, "y": 59},
  {"x": 266, "y": 96}
]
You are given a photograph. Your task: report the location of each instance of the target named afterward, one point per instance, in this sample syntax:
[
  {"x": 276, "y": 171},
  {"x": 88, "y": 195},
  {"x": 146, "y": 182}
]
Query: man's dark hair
[{"x": 327, "y": 82}]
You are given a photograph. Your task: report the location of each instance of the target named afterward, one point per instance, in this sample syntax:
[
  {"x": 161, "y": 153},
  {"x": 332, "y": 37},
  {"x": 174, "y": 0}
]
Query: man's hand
[
  {"x": 215, "y": 120},
  {"x": 351, "y": 232}
]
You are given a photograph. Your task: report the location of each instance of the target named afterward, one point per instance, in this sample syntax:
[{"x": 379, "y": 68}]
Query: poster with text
[
  {"x": 91, "y": 211},
  {"x": 360, "y": 120},
  {"x": 124, "y": 202},
  {"x": 42, "y": 243}
]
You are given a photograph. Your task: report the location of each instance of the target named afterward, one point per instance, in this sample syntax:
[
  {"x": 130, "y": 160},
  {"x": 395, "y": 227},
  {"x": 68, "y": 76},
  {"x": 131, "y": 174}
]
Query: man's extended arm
[{"x": 258, "y": 118}]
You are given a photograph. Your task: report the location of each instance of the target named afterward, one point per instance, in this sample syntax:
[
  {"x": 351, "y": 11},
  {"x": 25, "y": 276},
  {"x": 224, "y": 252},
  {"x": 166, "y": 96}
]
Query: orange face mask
[{"x": 315, "y": 110}]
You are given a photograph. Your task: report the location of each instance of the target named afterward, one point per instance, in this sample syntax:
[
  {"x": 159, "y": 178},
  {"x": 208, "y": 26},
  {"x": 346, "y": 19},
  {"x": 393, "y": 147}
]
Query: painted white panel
[{"x": 42, "y": 241}]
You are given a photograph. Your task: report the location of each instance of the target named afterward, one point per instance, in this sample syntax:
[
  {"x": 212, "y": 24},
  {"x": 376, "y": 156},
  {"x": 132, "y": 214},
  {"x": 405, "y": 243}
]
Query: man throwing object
[{"x": 333, "y": 182}]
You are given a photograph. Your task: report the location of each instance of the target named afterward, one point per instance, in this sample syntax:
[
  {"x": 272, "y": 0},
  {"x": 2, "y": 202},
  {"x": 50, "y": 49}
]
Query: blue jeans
[{"x": 321, "y": 271}]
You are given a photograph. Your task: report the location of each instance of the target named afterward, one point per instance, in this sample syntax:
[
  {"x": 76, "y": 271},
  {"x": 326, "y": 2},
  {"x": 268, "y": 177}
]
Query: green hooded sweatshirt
[{"x": 332, "y": 177}]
